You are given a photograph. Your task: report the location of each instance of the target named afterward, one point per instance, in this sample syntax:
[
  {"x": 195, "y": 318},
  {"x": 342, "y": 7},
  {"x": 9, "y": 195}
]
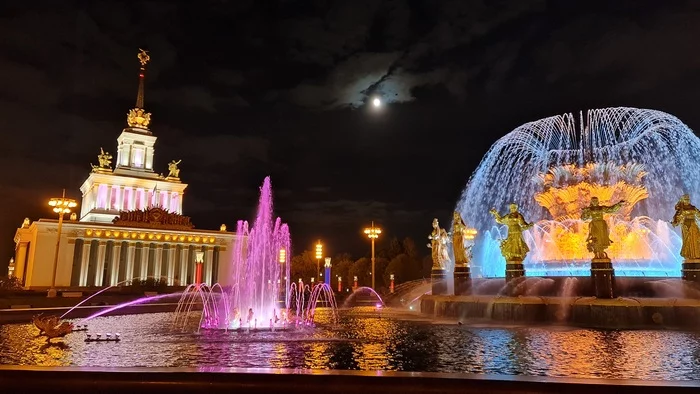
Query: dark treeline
[{"x": 400, "y": 258}]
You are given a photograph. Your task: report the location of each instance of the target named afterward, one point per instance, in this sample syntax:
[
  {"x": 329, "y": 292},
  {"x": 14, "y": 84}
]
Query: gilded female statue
[
  {"x": 513, "y": 247},
  {"x": 685, "y": 216},
  {"x": 438, "y": 245},
  {"x": 598, "y": 233},
  {"x": 459, "y": 240}
]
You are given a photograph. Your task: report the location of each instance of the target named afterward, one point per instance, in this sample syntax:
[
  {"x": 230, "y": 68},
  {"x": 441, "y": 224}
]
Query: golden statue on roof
[{"x": 143, "y": 57}]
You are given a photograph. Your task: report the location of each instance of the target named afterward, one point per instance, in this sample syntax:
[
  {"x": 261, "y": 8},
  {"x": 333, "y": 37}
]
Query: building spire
[
  {"x": 143, "y": 59},
  {"x": 138, "y": 117}
]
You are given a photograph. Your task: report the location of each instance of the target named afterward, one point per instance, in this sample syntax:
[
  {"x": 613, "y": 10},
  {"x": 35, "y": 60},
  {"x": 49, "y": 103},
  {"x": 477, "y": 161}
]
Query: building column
[
  {"x": 130, "y": 262},
  {"x": 164, "y": 261},
  {"x": 123, "y": 268},
  {"x": 158, "y": 262},
  {"x": 180, "y": 197},
  {"x": 215, "y": 264},
  {"x": 118, "y": 198},
  {"x": 172, "y": 249},
  {"x": 113, "y": 270},
  {"x": 166, "y": 206},
  {"x": 100, "y": 265},
  {"x": 108, "y": 203},
  {"x": 143, "y": 271},
  {"x": 208, "y": 259},
  {"x": 21, "y": 260},
  {"x": 184, "y": 251},
  {"x": 85, "y": 263}
]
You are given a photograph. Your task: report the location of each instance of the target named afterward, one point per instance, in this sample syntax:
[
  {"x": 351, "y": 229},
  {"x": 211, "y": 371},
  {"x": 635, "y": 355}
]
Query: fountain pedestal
[
  {"x": 438, "y": 279},
  {"x": 514, "y": 269},
  {"x": 690, "y": 270},
  {"x": 462, "y": 280},
  {"x": 603, "y": 278}
]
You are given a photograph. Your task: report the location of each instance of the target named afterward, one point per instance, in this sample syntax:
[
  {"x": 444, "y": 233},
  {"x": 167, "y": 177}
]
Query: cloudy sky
[{"x": 242, "y": 89}]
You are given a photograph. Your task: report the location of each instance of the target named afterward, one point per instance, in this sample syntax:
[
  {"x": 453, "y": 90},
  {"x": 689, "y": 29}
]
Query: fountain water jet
[{"x": 258, "y": 287}]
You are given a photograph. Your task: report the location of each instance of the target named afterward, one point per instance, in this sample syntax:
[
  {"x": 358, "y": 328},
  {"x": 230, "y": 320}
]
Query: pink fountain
[{"x": 257, "y": 294}]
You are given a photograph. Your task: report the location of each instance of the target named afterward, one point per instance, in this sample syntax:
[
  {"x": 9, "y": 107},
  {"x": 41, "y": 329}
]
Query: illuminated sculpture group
[{"x": 514, "y": 248}]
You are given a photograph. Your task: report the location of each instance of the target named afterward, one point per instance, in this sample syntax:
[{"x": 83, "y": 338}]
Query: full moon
[{"x": 376, "y": 102}]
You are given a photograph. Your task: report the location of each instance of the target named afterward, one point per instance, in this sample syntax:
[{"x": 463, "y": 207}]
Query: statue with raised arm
[
  {"x": 174, "y": 172},
  {"x": 598, "y": 233},
  {"x": 460, "y": 237},
  {"x": 513, "y": 247},
  {"x": 686, "y": 216},
  {"x": 105, "y": 161},
  {"x": 438, "y": 245}
]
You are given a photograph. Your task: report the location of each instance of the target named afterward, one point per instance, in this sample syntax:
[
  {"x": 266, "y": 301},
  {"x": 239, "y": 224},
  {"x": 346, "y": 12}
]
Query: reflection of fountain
[
  {"x": 253, "y": 295},
  {"x": 643, "y": 156}
]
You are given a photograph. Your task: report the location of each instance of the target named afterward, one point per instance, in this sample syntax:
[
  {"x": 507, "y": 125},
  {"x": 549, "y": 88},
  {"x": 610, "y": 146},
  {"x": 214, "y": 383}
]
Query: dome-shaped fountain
[{"x": 552, "y": 167}]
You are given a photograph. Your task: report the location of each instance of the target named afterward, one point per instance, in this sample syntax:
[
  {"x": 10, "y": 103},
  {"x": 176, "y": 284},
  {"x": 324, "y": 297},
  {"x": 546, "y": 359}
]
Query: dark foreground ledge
[{"x": 230, "y": 380}]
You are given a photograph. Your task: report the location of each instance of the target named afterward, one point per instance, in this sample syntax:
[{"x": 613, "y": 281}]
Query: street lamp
[
  {"x": 319, "y": 256},
  {"x": 61, "y": 206},
  {"x": 373, "y": 233},
  {"x": 283, "y": 270}
]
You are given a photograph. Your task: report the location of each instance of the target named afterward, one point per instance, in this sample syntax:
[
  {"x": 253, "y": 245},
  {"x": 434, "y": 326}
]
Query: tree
[
  {"x": 341, "y": 267},
  {"x": 361, "y": 268},
  {"x": 303, "y": 266},
  {"x": 409, "y": 248},
  {"x": 427, "y": 266},
  {"x": 395, "y": 248},
  {"x": 398, "y": 266}
]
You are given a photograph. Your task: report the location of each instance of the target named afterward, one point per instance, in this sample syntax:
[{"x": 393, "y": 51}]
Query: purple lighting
[{"x": 255, "y": 271}]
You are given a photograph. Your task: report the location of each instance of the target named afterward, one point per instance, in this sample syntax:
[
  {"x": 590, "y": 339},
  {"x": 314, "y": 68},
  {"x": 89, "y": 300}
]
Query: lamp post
[
  {"x": 319, "y": 256},
  {"x": 199, "y": 261},
  {"x": 283, "y": 271},
  {"x": 61, "y": 206},
  {"x": 391, "y": 286},
  {"x": 340, "y": 284},
  {"x": 373, "y": 233},
  {"x": 327, "y": 266}
]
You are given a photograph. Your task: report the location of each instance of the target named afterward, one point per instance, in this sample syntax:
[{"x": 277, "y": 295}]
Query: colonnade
[
  {"x": 123, "y": 198},
  {"x": 108, "y": 262}
]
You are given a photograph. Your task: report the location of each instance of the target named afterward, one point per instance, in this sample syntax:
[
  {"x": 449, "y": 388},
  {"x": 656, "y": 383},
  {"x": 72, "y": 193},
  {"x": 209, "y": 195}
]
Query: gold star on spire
[{"x": 138, "y": 117}]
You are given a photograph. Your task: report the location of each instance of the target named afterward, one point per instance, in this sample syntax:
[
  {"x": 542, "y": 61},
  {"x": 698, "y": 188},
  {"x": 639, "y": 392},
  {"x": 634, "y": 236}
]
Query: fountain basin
[{"x": 618, "y": 313}]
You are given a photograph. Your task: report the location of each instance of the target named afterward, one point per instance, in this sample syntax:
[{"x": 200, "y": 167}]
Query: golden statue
[
  {"x": 685, "y": 216},
  {"x": 438, "y": 245},
  {"x": 143, "y": 57},
  {"x": 598, "y": 233},
  {"x": 139, "y": 118},
  {"x": 49, "y": 326},
  {"x": 174, "y": 172},
  {"x": 460, "y": 236},
  {"x": 105, "y": 159},
  {"x": 26, "y": 223},
  {"x": 513, "y": 247}
]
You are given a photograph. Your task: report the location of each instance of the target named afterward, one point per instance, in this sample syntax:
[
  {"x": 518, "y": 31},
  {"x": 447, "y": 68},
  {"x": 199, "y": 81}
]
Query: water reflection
[{"x": 365, "y": 340}]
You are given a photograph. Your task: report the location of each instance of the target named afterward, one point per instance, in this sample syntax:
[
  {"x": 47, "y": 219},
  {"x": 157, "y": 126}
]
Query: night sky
[{"x": 242, "y": 89}]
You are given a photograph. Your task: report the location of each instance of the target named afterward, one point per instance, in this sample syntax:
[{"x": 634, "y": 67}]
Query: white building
[{"x": 130, "y": 224}]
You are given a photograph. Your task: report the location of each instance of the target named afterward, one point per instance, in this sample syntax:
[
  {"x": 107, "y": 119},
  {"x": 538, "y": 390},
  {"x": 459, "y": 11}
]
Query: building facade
[{"x": 130, "y": 224}]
